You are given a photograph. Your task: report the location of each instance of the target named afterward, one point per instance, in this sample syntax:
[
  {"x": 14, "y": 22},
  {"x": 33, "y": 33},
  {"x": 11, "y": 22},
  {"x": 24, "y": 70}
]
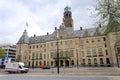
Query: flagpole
[{"x": 27, "y": 24}]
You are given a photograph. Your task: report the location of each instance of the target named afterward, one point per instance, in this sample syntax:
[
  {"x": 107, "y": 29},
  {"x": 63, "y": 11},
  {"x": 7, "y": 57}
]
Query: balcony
[{"x": 36, "y": 59}]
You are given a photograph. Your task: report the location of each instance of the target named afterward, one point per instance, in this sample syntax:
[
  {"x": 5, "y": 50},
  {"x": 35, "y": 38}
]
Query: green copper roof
[{"x": 67, "y": 8}]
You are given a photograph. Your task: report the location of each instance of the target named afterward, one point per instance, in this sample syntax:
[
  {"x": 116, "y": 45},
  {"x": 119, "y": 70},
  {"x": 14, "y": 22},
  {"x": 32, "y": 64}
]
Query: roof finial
[{"x": 67, "y": 8}]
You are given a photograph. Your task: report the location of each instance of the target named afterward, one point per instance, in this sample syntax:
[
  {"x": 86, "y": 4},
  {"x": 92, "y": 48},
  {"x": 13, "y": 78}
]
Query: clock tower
[{"x": 67, "y": 19}]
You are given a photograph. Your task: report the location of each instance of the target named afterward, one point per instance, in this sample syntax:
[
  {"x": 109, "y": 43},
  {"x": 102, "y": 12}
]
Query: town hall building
[{"x": 83, "y": 47}]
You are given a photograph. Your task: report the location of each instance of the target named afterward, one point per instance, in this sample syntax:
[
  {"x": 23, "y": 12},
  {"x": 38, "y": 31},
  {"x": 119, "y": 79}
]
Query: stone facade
[{"x": 84, "y": 47}]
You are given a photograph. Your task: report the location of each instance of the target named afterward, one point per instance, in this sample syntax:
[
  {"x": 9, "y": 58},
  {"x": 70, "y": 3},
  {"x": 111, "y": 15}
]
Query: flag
[{"x": 0, "y": 61}]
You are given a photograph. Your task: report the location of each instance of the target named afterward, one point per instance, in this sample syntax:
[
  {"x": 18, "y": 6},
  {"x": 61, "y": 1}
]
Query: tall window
[
  {"x": 51, "y": 54},
  {"x": 95, "y": 61},
  {"x": 104, "y": 39},
  {"x": 37, "y": 46},
  {"x": 36, "y": 63},
  {"x": 36, "y": 55},
  {"x": 83, "y": 54},
  {"x": 61, "y": 43},
  {"x": 32, "y": 64},
  {"x": 89, "y": 61},
  {"x": 105, "y": 45},
  {"x": 61, "y": 53},
  {"x": 32, "y": 55},
  {"x": 30, "y": 47},
  {"x": 101, "y": 60},
  {"x": 88, "y": 52},
  {"x": 118, "y": 50},
  {"x": 40, "y": 55},
  {"x": 44, "y": 56},
  {"x": 72, "y": 53},
  {"x": 83, "y": 61},
  {"x": 51, "y": 63},
  {"x": 40, "y": 46},
  {"x": 45, "y": 63},
  {"x": 66, "y": 53},
  {"x": 100, "y": 52},
  {"x": 106, "y": 52},
  {"x": 94, "y": 52},
  {"x": 87, "y": 41},
  {"x": 107, "y": 61}
]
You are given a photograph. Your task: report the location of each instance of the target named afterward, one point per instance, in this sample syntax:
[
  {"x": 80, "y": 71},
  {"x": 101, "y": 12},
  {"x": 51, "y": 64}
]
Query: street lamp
[
  {"x": 57, "y": 54},
  {"x": 77, "y": 58},
  {"x": 116, "y": 51}
]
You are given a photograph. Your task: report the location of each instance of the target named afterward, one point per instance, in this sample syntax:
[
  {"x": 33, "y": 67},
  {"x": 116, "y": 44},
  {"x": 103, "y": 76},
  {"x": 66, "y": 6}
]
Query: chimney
[
  {"x": 80, "y": 28},
  {"x": 34, "y": 35},
  {"x": 47, "y": 33},
  {"x": 55, "y": 28}
]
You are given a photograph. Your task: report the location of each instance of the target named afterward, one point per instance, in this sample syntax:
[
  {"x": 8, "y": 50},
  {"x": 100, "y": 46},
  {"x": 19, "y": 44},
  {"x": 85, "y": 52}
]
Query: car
[{"x": 46, "y": 67}]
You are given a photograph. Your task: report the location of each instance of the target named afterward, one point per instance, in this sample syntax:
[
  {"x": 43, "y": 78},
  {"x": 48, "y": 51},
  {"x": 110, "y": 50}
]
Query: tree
[
  {"x": 2, "y": 53},
  {"x": 109, "y": 12}
]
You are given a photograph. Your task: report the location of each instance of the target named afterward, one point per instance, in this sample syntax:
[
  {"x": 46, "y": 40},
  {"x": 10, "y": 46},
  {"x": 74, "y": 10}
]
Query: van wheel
[
  {"x": 22, "y": 71},
  {"x": 26, "y": 72}
]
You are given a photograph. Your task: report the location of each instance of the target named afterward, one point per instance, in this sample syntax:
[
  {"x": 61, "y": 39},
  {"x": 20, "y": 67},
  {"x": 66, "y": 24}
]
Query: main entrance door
[
  {"x": 66, "y": 63},
  {"x": 61, "y": 63}
]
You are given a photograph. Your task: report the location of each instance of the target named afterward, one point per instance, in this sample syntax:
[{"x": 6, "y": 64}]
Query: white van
[{"x": 16, "y": 67}]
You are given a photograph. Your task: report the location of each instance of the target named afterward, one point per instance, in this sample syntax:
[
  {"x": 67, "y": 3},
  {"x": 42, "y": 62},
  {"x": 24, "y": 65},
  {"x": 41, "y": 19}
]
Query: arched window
[
  {"x": 89, "y": 61},
  {"x": 101, "y": 60},
  {"x": 95, "y": 61}
]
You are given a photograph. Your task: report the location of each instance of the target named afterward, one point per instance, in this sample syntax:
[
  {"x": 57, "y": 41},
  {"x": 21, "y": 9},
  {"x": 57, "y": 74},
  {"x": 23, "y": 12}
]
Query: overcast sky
[{"x": 42, "y": 16}]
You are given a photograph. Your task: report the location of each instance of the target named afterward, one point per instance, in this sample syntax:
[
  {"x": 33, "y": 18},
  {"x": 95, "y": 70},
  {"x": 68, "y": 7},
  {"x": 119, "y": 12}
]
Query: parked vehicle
[
  {"x": 46, "y": 67},
  {"x": 16, "y": 67}
]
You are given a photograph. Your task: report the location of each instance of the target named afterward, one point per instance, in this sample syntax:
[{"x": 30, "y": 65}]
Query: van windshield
[{"x": 24, "y": 66}]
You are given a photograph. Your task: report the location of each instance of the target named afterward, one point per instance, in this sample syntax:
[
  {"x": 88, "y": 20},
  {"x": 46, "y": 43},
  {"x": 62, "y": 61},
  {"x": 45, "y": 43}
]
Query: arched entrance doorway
[
  {"x": 61, "y": 63},
  {"x": 66, "y": 63}
]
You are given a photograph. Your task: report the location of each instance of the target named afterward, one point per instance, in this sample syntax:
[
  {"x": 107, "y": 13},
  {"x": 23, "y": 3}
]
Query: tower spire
[
  {"x": 67, "y": 19},
  {"x": 24, "y": 38}
]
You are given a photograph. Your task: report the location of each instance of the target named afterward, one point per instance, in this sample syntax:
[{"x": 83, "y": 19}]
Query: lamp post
[
  {"x": 116, "y": 51},
  {"x": 57, "y": 54},
  {"x": 77, "y": 60}
]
